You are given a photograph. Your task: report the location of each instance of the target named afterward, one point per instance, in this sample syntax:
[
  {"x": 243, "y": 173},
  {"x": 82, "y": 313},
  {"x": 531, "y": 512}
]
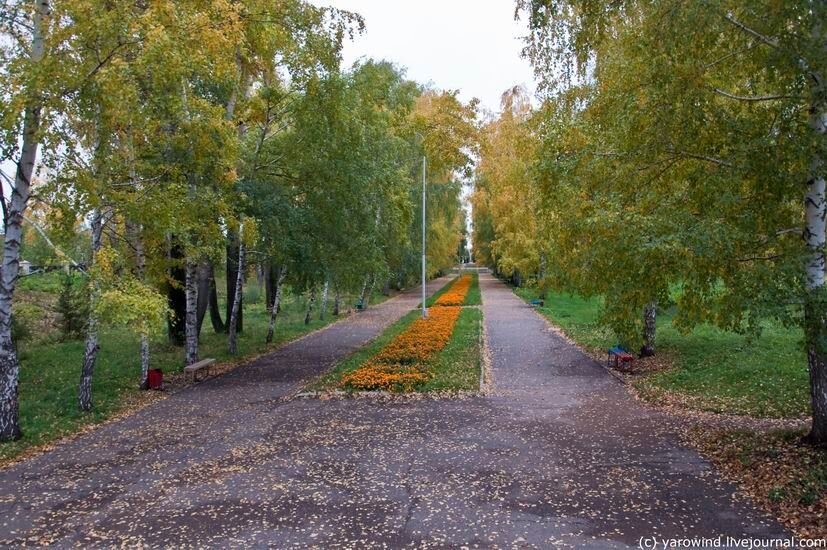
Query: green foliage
[
  {"x": 50, "y": 282},
  {"x": 73, "y": 306},
  {"x": 670, "y": 150},
  {"x": 124, "y": 300},
  {"x": 24, "y": 321}
]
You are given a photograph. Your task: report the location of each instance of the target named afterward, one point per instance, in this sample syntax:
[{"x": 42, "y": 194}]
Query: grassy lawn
[
  {"x": 474, "y": 296},
  {"x": 456, "y": 367},
  {"x": 50, "y": 369},
  {"x": 712, "y": 369}
]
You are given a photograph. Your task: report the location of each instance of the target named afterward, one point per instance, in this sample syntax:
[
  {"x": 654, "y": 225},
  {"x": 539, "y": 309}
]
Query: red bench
[{"x": 623, "y": 360}]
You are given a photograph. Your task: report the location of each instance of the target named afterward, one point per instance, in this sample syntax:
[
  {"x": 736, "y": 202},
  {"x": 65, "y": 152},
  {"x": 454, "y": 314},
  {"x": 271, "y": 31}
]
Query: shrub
[
  {"x": 73, "y": 307},
  {"x": 24, "y": 321}
]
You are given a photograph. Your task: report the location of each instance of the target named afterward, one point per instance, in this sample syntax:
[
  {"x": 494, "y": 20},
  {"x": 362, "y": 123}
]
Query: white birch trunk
[
  {"x": 323, "y": 309},
  {"x": 191, "y": 318},
  {"x": 232, "y": 339},
  {"x": 362, "y": 293},
  {"x": 140, "y": 269},
  {"x": 815, "y": 316},
  {"x": 90, "y": 354},
  {"x": 9, "y": 364},
  {"x": 274, "y": 309}
]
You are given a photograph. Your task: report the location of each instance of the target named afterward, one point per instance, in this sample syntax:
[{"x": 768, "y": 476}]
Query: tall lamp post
[{"x": 424, "y": 308}]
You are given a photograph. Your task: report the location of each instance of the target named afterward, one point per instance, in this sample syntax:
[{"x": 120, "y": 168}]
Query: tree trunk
[
  {"x": 366, "y": 290},
  {"x": 362, "y": 293},
  {"x": 145, "y": 362},
  {"x": 233, "y": 249},
  {"x": 260, "y": 274},
  {"x": 310, "y": 303},
  {"x": 369, "y": 293},
  {"x": 276, "y": 305},
  {"x": 649, "y": 317},
  {"x": 191, "y": 320},
  {"x": 9, "y": 364},
  {"x": 203, "y": 281},
  {"x": 176, "y": 294},
  {"x": 140, "y": 269},
  {"x": 235, "y": 312},
  {"x": 336, "y": 301},
  {"x": 215, "y": 311},
  {"x": 323, "y": 308},
  {"x": 271, "y": 274},
  {"x": 90, "y": 354},
  {"x": 815, "y": 319},
  {"x": 542, "y": 276}
]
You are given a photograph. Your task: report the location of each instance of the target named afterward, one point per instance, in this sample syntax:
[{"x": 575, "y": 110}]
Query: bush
[
  {"x": 252, "y": 294},
  {"x": 24, "y": 320},
  {"x": 73, "y": 307}
]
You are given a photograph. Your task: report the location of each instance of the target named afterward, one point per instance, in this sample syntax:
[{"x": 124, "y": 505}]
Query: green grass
[
  {"x": 455, "y": 368},
  {"x": 474, "y": 296},
  {"x": 50, "y": 371},
  {"x": 715, "y": 370},
  {"x": 50, "y": 282}
]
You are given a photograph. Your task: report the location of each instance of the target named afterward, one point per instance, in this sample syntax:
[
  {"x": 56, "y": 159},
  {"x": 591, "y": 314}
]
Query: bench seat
[
  {"x": 622, "y": 358},
  {"x": 204, "y": 364}
]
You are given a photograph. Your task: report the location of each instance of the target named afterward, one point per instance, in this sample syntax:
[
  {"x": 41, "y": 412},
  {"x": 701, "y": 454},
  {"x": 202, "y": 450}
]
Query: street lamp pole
[{"x": 424, "y": 308}]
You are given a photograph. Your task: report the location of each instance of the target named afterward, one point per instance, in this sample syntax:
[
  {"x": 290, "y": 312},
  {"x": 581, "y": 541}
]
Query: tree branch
[
  {"x": 707, "y": 158},
  {"x": 753, "y": 97},
  {"x": 759, "y": 258},
  {"x": 765, "y": 39}
]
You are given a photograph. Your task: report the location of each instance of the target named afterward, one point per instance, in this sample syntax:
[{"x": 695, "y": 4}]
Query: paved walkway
[{"x": 560, "y": 456}]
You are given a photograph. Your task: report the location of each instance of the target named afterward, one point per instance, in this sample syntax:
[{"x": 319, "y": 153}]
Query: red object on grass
[{"x": 155, "y": 379}]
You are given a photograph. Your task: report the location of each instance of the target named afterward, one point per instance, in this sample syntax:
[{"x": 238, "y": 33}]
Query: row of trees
[
  {"x": 678, "y": 154},
  {"x": 182, "y": 133}
]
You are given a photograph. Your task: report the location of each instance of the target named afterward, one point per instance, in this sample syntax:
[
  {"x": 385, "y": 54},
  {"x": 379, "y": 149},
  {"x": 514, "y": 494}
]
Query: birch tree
[
  {"x": 30, "y": 94},
  {"x": 721, "y": 183}
]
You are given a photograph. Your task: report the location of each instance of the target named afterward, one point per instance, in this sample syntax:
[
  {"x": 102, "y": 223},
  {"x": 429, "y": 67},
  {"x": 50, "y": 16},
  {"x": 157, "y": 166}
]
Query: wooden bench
[
  {"x": 623, "y": 360},
  {"x": 203, "y": 364}
]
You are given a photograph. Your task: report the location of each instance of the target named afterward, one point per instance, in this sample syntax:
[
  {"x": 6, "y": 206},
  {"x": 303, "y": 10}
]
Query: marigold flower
[
  {"x": 403, "y": 362},
  {"x": 455, "y": 295}
]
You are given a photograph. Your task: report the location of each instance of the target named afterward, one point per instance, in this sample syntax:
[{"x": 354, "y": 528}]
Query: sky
[{"x": 467, "y": 45}]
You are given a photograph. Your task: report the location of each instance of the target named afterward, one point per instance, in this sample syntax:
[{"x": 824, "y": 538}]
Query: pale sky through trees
[{"x": 470, "y": 45}]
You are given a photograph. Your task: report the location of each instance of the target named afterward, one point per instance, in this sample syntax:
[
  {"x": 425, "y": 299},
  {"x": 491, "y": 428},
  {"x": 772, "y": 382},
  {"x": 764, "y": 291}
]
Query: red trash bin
[{"x": 155, "y": 379}]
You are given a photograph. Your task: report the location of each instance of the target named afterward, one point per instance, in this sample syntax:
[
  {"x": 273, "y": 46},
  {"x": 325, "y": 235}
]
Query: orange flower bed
[
  {"x": 455, "y": 296},
  {"x": 385, "y": 377},
  {"x": 402, "y": 363}
]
